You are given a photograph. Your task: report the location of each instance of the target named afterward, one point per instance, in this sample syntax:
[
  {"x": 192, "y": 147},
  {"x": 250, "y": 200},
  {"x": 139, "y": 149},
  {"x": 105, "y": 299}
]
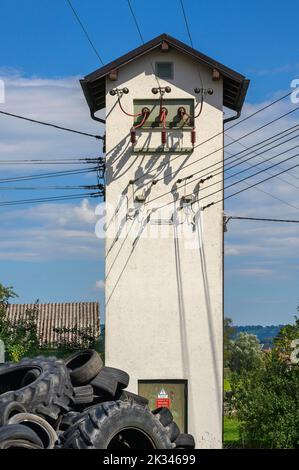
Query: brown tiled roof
[
  {"x": 59, "y": 315},
  {"x": 234, "y": 84}
]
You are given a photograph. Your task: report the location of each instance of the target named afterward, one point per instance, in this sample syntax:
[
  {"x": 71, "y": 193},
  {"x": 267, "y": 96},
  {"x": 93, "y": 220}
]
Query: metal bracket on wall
[{"x": 162, "y": 150}]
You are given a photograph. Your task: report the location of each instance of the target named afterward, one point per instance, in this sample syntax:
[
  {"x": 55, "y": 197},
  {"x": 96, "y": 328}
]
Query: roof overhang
[{"x": 235, "y": 85}]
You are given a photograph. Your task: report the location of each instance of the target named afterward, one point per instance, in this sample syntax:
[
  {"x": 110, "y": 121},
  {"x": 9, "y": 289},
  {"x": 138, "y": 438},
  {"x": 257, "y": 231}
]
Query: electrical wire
[
  {"x": 85, "y": 31},
  {"x": 142, "y": 39},
  {"x": 41, "y": 188},
  {"x": 245, "y": 146},
  {"x": 240, "y": 162},
  {"x": 251, "y": 186},
  {"x": 35, "y": 121},
  {"x": 48, "y": 175},
  {"x": 220, "y": 133},
  {"x": 262, "y": 219},
  {"x": 48, "y": 199},
  {"x": 186, "y": 22},
  {"x": 238, "y": 182}
]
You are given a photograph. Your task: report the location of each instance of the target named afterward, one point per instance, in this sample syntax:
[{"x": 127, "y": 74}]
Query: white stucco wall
[{"x": 164, "y": 295}]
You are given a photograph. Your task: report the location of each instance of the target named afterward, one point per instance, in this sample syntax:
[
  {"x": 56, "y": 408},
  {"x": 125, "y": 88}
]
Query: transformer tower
[{"x": 164, "y": 247}]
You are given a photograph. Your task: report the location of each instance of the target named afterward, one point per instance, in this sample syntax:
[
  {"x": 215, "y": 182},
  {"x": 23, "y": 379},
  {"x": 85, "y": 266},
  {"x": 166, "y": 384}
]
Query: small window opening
[{"x": 164, "y": 70}]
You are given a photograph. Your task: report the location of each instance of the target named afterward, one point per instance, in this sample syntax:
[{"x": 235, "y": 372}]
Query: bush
[{"x": 267, "y": 403}]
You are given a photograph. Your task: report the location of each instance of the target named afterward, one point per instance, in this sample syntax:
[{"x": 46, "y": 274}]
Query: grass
[
  {"x": 231, "y": 438},
  {"x": 227, "y": 385}
]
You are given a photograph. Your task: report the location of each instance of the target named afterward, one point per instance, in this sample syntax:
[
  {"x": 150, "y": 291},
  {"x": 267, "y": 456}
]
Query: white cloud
[{"x": 100, "y": 284}]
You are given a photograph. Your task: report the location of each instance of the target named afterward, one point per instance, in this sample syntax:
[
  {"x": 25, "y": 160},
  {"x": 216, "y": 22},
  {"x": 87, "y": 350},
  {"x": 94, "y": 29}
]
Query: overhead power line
[
  {"x": 48, "y": 199},
  {"x": 48, "y": 175},
  {"x": 135, "y": 21},
  {"x": 237, "y": 182},
  {"x": 261, "y": 219},
  {"x": 51, "y": 125},
  {"x": 223, "y": 166},
  {"x": 186, "y": 22},
  {"x": 251, "y": 186},
  {"x": 85, "y": 31},
  {"x": 220, "y": 133},
  {"x": 42, "y": 188}
]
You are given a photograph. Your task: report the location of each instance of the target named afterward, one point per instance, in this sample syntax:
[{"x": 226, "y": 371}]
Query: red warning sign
[{"x": 163, "y": 400}]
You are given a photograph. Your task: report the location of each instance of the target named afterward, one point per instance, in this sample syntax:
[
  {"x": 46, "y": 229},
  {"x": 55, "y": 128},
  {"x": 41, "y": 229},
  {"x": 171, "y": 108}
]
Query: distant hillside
[{"x": 265, "y": 334}]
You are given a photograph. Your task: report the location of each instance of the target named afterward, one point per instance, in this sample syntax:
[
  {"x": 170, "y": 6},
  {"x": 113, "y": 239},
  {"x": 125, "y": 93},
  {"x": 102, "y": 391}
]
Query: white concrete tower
[{"x": 164, "y": 253}]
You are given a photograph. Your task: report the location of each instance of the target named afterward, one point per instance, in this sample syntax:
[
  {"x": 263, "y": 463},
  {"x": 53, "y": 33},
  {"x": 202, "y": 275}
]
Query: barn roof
[
  {"x": 59, "y": 315},
  {"x": 234, "y": 84}
]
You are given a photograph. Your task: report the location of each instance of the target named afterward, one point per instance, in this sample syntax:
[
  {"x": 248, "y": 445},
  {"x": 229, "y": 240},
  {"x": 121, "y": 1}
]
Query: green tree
[
  {"x": 245, "y": 353},
  {"x": 267, "y": 404},
  {"x": 286, "y": 335},
  {"x": 228, "y": 332},
  {"x": 20, "y": 338}
]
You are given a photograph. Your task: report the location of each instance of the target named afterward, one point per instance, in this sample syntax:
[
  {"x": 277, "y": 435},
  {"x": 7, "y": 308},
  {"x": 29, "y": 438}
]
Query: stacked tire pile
[{"x": 48, "y": 403}]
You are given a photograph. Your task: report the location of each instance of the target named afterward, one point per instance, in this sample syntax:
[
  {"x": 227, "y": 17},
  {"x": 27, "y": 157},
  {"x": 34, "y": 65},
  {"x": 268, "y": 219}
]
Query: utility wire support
[
  {"x": 159, "y": 167},
  {"x": 35, "y": 121},
  {"x": 186, "y": 23},
  {"x": 85, "y": 31}
]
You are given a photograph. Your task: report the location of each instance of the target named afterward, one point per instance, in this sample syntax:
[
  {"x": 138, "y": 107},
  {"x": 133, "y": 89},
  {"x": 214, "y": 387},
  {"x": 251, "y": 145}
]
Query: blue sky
[{"x": 49, "y": 251}]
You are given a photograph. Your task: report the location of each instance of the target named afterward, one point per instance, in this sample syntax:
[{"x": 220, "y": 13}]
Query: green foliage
[
  {"x": 285, "y": 336},
  {"x": 228, "y": 333},
  {"x": 20, "y": 338},
  {"x": 267, "y": 403},
  {"x": 231, "y": 434},
  {"x": 245, "y": 353}
]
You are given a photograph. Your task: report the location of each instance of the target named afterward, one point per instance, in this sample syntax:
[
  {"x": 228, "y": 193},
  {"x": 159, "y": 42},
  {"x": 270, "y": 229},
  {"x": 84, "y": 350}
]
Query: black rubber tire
[
  {"x": 30, "y": 376},
  {"x": 99, "y": 427},
  {"x": 173, "y": 430},
  {"x": 124, "y": 395},
  {"x": 185, "y": 441},
  {"x": 83, "y": 395},
  {"x": 164, "y": 415},
  {"x": 68, "y": 420},
  {"x": 39, "y": 425},
  {"x": 105, "y": 383},
  {"x": 19, "y": 444},
  {"x": 48, "y": 395},
  {"x": 119, "y": 375},
  {"x": 18, "y": 431},
  {"x": 8, "y": 410},
  {"x": 84, "y": 366}
]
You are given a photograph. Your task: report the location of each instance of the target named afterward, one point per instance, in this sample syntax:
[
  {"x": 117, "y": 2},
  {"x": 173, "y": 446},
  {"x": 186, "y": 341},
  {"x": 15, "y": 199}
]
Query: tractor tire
[
  {"x": 8, "y": 410},
  {"x": 15, "y": 432},
  {"x": 164, "y": 415},
  {"x": 117, "y": 425},
  {"x": 68, "y": 420},
  {"x": 83, "y": 366},
  {"x": 48, "y": 395},
  {"x": 124, "y": 395},
  {"x": 185, "y": 441}
]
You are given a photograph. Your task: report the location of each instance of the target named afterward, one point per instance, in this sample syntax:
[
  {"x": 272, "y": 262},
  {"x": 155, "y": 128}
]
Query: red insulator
[
  {"x": 163, "y": 137},
  {"x": 133, "y": 136},
  {"x": 193, "y": 137}
]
